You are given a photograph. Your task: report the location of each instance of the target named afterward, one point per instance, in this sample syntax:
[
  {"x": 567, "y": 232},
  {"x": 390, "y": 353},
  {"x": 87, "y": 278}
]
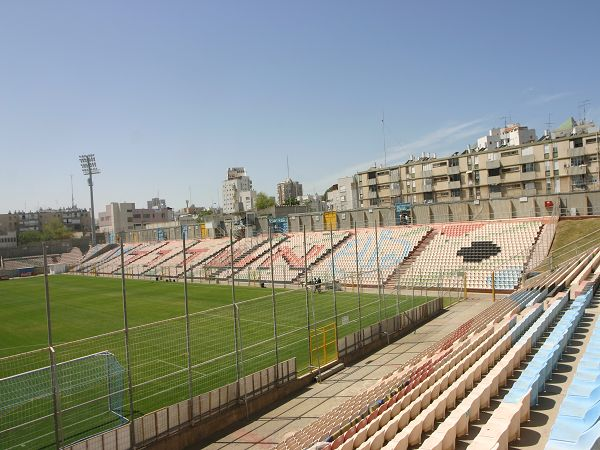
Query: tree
[
  {"x": 54, "y": 229},
  {"x": 263, "y": 201},
  {"x": 26, "y": 237},
  {"x": 292, "y": 201}
]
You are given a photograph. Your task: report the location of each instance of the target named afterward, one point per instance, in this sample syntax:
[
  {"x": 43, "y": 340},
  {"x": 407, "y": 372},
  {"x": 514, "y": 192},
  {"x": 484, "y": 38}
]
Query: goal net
[{"x": 90, "y": 393}]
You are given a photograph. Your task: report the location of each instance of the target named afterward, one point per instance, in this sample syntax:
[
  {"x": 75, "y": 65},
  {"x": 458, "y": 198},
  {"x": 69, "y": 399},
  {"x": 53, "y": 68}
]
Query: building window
[
  {"x": 555, "y": 151},
  {"x": 546, "y": 151},
  {"x": 556, "y": 168},
  {"x": 528, "y": 167}
]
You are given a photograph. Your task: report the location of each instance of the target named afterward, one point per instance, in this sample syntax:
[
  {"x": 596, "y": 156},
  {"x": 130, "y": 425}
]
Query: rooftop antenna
[
  {"x": 505, "y": 122},
  {"x": 383, "y": 132},
  {"x": 549, "y": 123},
  {"x": 72, "y": 198},
  {"x": 287, "y": 162},
  {"x": 584, "y": 104}
]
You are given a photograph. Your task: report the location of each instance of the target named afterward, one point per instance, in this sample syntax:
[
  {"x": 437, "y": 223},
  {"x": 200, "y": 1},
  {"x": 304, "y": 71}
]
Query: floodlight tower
[{"x": 88, "y": 165}]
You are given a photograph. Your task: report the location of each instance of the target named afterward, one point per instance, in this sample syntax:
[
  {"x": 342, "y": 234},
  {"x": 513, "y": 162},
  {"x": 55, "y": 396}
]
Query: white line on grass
[{"x": 178, "y": 366}]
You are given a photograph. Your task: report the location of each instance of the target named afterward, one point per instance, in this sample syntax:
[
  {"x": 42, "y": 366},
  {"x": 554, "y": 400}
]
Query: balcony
[
  {"x": 577, "y": 151},
  {"x": 372, "y": 181},
  {"x": 454, "y": 185},
  {"x": 372, "y": 195},
  {"x": 427, "y": 174},
  {"x": 453, "y": 170},
  {"x": 427, "y": 188},
  {"x": 495, "y": 194},
  {"x": 528, "y": 176},
  {"x": 527, "y": 159},
  {"x": 529, "y": 192},
  {"x": 511, "y": 177},
  {"x": 493, "y": 164},
  {"x": 577, "y": 170},
  {"x": 494, "y": 180},
  {"x": 437, "y": 171}
]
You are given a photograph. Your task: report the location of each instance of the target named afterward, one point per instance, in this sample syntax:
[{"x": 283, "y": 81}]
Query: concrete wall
[{"x": 54, "y": 247}]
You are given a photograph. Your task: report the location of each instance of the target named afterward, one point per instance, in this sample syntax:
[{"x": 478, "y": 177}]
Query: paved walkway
[{"x": 268, "y": 429}]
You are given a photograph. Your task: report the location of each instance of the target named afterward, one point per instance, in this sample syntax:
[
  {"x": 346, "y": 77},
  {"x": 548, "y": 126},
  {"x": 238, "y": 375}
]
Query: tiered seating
[
  {"x": 241, "y": 248},
  {"x": 154, "y": 257},
  {"x": 93, "y": 251},
  {"x": 475, "y": 249},
  {"x": 197, "y": 252},
  {"x": 578, "y": 422},
  {"x": 71, "y": 258},
  {"x": 31, "y": 261},
  {"x": 131, "y": 255},
  {"x": 451, "y": 381},
  {"x": 250, "y": 251},
  {"x": 450, "y": 358},
  {"x": 288, "y": 256},
  {"x": 395, "y": 244},
  {"x": 97, "y": 262},
  {"x": 504, "y": 425}
]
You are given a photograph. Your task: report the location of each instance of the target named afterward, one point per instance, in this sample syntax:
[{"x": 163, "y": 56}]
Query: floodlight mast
[{"x": 89, "y": 168}]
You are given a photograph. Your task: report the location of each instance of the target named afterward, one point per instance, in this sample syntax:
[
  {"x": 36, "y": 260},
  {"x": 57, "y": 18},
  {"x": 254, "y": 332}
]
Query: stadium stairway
[{"x": 404, "y": 267}]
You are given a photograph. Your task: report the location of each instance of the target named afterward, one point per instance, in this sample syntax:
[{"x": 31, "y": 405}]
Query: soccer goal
[{"x": 90, "y": 394}]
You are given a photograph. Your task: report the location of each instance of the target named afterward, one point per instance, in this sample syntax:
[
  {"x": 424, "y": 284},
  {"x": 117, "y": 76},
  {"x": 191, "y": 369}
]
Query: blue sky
[{"x": 168, "y": 94}]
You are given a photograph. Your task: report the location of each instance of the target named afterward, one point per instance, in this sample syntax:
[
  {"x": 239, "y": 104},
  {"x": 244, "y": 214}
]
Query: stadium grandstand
[
  {"x": 483, "y": 379},
  {"x": 471, "y": 255}
]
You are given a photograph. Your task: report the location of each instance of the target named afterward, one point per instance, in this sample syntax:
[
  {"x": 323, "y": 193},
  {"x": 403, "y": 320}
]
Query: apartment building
[
  {"x": 74, "y": 219},
  {"x": 238, "y": 195},
  {"x": 119, "y": 217},
  {"x": 563, "y": 161},
  {"x": 343, "y": 196},
  {"x": 288, "y": 189}
]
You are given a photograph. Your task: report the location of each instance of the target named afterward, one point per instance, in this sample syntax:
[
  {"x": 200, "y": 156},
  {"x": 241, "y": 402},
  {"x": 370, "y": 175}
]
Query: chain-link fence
[{"x": 308, "y": 291}]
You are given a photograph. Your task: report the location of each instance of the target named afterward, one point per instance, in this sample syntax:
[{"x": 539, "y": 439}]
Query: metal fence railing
[{"x": 213, "y": 339}]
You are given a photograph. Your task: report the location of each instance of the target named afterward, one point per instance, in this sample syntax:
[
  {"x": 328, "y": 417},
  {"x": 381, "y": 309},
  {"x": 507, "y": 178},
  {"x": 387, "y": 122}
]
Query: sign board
[
  {"x": 330, "y": 220},
  {"x": 279, "y": 224},
  {"x": 402, "y": 213}
]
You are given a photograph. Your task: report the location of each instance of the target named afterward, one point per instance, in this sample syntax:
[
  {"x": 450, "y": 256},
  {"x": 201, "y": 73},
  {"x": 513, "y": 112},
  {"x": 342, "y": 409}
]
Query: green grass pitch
[{"x": 87, "y": 318}]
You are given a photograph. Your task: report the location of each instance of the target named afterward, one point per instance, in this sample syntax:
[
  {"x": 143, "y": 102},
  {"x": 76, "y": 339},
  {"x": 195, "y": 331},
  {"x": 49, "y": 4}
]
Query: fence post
[
  {"x": 127, "y": 353},
  {"x": 187, "y": 329},
  {"x": 378, "y": 274},
  {"x": 274, "y": 306},
  {"x": 358, "y": 283},
  {"x": 493, "y": 286},
  {"x": 335, "y": 312},
  {"x": 56, "y": 409},
  {"x": 310, "y": 363},
  {"x": 236, "y": 344}
]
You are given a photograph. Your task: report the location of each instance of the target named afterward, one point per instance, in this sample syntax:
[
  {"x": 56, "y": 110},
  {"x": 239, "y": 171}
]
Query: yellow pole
[
  {"x": 493, "y": 286},
  {"x": 324, "y": 345}
]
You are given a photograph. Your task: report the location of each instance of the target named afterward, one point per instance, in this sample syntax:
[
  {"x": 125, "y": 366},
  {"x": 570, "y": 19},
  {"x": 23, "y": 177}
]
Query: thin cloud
[
  {"x": 442, "y": 138},
  {"x": 547, "y": 98}
]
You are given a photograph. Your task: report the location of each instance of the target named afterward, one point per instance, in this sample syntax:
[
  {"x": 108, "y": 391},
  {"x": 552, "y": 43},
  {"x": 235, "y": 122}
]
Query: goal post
[{"x": 91, "y": 389}]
